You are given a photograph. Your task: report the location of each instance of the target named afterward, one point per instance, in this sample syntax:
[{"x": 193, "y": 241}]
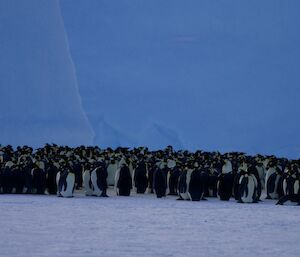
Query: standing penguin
[
  {"x": 225, "y": 181},
  {"x": 291, "y": 182},
  {"x": 7, "y": 178},
  {"x": 38, "y": 180},
  {"x": 205, "y": 172},
  {"x": 212, "y": 181},
  {"x": 196, "y": 186},
  {"x": 51, "y": 178},
  {"x": 262, "y": 173},
  {"x": 160, "y": 182},
  {"x": 173, "y": 177},
  {"x": 77, "y": 169},
  {"x": 111, "y": 172},
  {"x": 65, "y": 182},
  {"x": 248, "y": 188},
  {"x": 273, "y": 177},
  {"x": 184, "y": 183},
  {"x": 99, "y": 180},
  {"x": 151, "y": 170},
  {"x": 123, "y": 180},
  {"x": 140, "y": 177},
  {"x": 242, "y": 169},
  {"x": 18, "y": 178},
  {"x": 87, "y": 182},
  {"x": 252, "y": 170}
]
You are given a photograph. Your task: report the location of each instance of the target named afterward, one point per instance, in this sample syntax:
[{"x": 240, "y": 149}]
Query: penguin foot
[
  {"x": 104, "y": 195},
  {"x": 203, "y": 199},
  {"x": 179, "y": 199},
  {"x": 240, "y": 201}
]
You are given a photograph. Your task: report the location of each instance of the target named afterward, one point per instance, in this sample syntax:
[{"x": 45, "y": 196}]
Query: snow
[
  {"x": 142, "y": 225},
  {"x": 40, "y": 102}
]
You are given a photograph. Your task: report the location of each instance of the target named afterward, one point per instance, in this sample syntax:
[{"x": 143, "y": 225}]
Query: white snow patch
[{"x": 144, "y": 226}]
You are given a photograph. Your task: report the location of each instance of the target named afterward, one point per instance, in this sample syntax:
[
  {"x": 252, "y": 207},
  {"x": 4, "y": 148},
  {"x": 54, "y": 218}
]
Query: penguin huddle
[{"x": 195, "y": 176}]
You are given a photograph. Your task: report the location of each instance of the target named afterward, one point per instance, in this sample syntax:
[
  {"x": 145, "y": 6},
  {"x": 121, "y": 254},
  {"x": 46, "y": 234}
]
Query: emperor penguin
[
  {"x": 262, "y": 173},
  {"x": 99, "y": 180},
  {"x": 111, "y": 172},
  {"x": 196, "y": 186},
  {"x": 51, "y": 172},
  {"x": 212, "y": 181},
  {"x": 38, "y": 179},
  {"x": 140, "y": 177},
  {"x": 272, "y": 180},
  {"x": 159, "y": 183},
  {"x": 65, "y": 183},
  {"x": 151, "y": 170},
  {"x": 293, "y": 198},
  {"x": 18, "y": 178},
  {"x": 248, "y": 188},
  {"x": 172, "y": 180},
  {"x": 123, "y": 180},
  {"x": 291, "y": 181},
  {"x": 242, "y": 169},
  {"x": 87, "y": 182},
  {"x": 225, "y": 181},
  {"x": 7, "y": 178},
  {"x": 183, "y": 184}
]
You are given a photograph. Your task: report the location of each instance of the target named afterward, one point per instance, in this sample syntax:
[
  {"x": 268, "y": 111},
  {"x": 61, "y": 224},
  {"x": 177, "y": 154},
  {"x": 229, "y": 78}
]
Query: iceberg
[
  {"x": 224, "y": 75},
  {"x": 40, "y": 101}
]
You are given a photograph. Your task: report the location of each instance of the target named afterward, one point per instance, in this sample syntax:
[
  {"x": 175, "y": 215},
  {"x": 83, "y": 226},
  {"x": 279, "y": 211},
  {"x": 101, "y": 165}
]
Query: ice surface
[
  {"x": 39, "y": 94},
  {"x": 222, "y": 75},
  {"x": 47, "y": 226}
]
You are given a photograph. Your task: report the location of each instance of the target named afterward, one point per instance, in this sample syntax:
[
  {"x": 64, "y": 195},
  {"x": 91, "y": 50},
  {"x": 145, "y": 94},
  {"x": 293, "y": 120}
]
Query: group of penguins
[{"x": 195, "y": 176}]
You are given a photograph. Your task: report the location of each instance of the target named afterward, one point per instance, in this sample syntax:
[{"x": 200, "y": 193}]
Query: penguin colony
[{"x": 195, "y": 176}]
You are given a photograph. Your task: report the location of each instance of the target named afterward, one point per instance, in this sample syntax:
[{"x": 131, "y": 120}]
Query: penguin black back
[
  {"x": 225, "y": 186},
  {"x": 62, "y": 183},
  {"x": 102, "y": 174},
  {"x": 160, "y": 183},
  {"x": 196, "y": 188},
  {"x": 140, "y": 178},
  {"x": 39, "y": 180},
  {"x": 7, "y": 180},
  {"x": 182, "y": 186},
  {"x": 51, "y": 179},
  {"x": 124, "y": 183},
  {"x": 173, "y": 180}
]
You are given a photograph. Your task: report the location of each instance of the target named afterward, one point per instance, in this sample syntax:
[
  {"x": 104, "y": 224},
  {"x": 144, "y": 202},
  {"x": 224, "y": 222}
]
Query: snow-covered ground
[{"x": 144, "y": 226}]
